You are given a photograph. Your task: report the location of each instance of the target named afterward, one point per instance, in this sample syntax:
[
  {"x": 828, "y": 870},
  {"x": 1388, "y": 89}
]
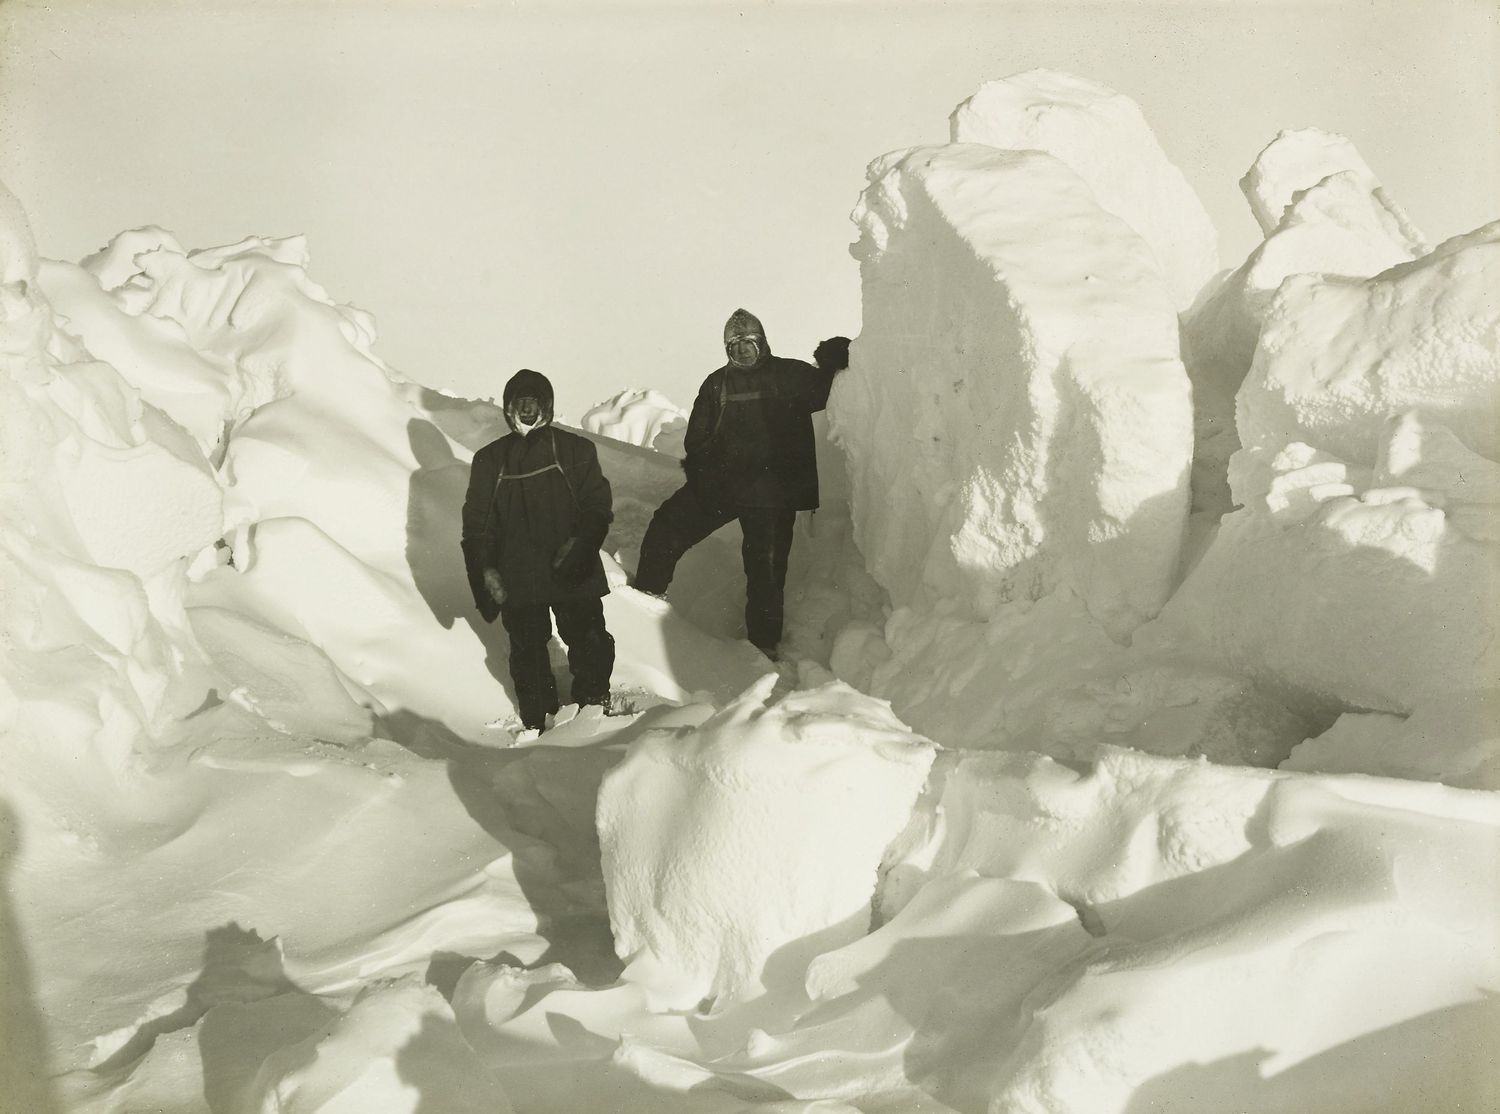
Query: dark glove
[{"x": 572, "y": 563}]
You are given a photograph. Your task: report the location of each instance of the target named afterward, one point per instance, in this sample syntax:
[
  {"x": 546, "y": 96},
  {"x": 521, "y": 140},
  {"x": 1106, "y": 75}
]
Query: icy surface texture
[
  {"x": 707, "y": 837},
  {"x": 1331, "y": 218},
  {"x": 1362, "y": 568},
  {"x": 1015, "y": 417},
  {"x": 1103, "y": 138}
]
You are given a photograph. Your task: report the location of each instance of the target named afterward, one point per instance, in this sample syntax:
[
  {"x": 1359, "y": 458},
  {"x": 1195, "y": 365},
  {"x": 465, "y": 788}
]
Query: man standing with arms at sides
[
  {"x": 537, "y": 510},
  {"x": 750, "y": 455}
]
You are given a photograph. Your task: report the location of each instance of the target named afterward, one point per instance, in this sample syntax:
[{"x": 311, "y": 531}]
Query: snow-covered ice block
[
  {"x": 735, "y": 851},
  {"x": 1299, "y": 159},
  {"x": 1335, "y": 227},
  {"x": 1015, "y": 416},
  {"x": 1341, "y": 224},
  {"x": 1363, "y": 566},
  {"x": 1337, "y": 358},
  {"x": 1103, "y": 137}
]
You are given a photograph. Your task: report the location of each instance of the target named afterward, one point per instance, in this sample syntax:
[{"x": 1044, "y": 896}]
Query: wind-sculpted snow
[
  {"x": 1103, "y": 138},
  {"x": 1040, "y": 926},
  {"x": 1182, "y": 875},
  {"x": 713, "y": 826},
  {"x": 104, "y": 501},
  {"x": 640, "y": 417}
]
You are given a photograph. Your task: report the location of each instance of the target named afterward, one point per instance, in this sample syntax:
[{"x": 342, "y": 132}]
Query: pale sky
[{"x": 589, "y": 190}]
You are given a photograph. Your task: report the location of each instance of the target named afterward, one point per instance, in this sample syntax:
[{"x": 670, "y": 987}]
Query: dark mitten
[
  {"x": 489, "y": 595},
  {"x": 572, "y": 563},
  {"x": 832, "y": 354}
]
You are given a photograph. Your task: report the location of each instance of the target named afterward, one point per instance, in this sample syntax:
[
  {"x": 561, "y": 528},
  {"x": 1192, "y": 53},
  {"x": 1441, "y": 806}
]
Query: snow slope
[{"x": 265, "y": 847}]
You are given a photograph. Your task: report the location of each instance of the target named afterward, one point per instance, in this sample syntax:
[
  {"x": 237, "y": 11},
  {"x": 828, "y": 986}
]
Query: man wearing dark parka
[
  {"x": 537, "y": 510},
  {"x": 751, "y": 456}
]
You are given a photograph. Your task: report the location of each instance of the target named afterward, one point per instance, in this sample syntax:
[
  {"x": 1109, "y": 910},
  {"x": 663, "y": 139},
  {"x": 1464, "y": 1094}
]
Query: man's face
[
  {"x": 526, "y": 410},
  {"x": 744, "y": 351}
]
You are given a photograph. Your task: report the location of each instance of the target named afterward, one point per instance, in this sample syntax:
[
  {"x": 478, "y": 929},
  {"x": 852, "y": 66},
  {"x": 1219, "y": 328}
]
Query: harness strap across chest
[
  {"x": 726, "y": 397},
  {"x": 555, "y": 465}
]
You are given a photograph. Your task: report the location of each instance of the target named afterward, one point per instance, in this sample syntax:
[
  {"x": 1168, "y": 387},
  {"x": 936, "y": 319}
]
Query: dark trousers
[
  {"x": 591, "y": 654},
  {"x": 684, "y": 520}
]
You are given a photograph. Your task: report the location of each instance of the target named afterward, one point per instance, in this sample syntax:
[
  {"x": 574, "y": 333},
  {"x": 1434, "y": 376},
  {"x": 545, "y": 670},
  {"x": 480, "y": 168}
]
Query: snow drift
[{"x": 740, "y": 801}]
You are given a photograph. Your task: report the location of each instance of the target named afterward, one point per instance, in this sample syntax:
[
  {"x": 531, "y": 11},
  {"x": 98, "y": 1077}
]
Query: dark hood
[
  {"x": 743, "y": 323},
  {"x": 527, "y": 382}
]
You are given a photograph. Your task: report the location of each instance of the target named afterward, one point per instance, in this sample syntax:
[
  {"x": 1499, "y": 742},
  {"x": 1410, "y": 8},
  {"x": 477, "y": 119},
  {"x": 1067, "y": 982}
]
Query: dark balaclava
[
  {"x": 527, "y": 401},
  {"x": 744, "y": 325}
]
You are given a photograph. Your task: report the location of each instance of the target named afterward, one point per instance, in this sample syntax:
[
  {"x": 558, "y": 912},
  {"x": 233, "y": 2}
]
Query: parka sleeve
[
  {"x": 595, "y": 499},
  {"x": 480, "y": 530},
  {"x": 701, "y": 422},
  {"x": 819, "y": 384}
]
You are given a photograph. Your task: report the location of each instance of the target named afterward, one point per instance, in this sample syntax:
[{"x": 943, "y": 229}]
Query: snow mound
[
  {"x": 1371, "y": 427},
  {"x": 1103, "y": 138},
  {"x": 705, "y": 834},
  {"x": 640, "y": 417},
  {"x": 1015, "y": 416}
]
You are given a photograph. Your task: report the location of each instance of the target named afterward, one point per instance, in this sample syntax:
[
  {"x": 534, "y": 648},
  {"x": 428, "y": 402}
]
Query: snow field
[{"x": 268, "y": 844}]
